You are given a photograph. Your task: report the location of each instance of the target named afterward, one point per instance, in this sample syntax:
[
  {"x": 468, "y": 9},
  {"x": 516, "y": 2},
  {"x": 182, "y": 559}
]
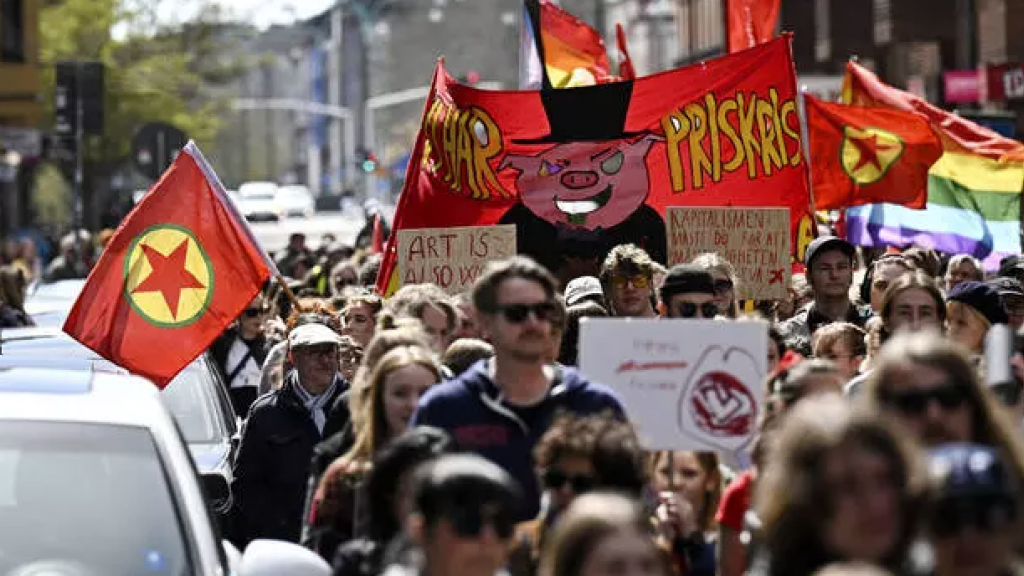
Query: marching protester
[
  {"x": 13, "y": 284},
  {"x": 830, "y": 263},
  {"x": 843, "y": 344},
  {"x": 963, "y": 268},
  {"x": 880, "y": 275},
  {"x": 972, "y": 308},
  {"x": 1011, "y": 294},
  {"x": 280, "y": 433},
  {"x": 359, "y": 317},
  {"x": 688, "y": 291},
  {"x": 627, "y": 276},
  {"x": 501, "y": 408},
  {"x": 240, "y": 352},
  {"x": 725, "y": 279},
  {"x": 689, "y": 486}
]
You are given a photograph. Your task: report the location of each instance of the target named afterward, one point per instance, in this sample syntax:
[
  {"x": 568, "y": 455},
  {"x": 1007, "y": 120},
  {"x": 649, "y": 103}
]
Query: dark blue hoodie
[{"x": 471, "y": 409}]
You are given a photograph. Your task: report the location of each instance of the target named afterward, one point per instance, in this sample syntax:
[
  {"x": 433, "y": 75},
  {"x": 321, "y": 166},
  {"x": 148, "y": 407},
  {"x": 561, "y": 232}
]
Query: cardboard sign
[
  {"x": 755, "y": 240},
  {"x": 452, "y": 258},
  {"x": 686, "y": 384}
]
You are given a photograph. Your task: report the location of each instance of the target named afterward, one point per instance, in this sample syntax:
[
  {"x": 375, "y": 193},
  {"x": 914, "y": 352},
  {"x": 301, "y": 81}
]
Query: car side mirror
[
  {"x": 218, "y": 492},
  {"x": 275, "y": 557}
]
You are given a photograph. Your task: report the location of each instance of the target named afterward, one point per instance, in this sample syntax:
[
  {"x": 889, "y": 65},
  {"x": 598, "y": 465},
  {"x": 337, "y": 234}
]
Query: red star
[
  {"x": 169, "y": 275},
  {"x": 869, "y": 148}
]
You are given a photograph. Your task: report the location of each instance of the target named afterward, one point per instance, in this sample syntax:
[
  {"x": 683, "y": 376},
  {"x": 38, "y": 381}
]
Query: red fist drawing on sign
[{"x": 717, "y": 406}]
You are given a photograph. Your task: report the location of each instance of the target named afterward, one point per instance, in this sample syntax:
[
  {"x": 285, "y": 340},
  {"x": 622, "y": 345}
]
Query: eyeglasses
[
  {"x": 723, "y": 285},
  {"x": 556, "y": 479},
  {"x": 916, "y": 402},
  {"x": 951, "y": 516},
  {"x": 689, "y": 310},
  {"x": 469, "y": 522},
  {"x": 638, "y": 281},
  {"x": 518, "y": 313},
  {"x": 253, "y": 312}
]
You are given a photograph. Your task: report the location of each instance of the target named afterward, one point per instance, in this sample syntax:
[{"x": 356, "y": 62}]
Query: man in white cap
[{"x": 279, "y": 436}]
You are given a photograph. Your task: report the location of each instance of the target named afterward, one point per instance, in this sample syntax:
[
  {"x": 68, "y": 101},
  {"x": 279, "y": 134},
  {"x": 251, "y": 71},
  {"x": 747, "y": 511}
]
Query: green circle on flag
[{"x": 168, "y": 276}]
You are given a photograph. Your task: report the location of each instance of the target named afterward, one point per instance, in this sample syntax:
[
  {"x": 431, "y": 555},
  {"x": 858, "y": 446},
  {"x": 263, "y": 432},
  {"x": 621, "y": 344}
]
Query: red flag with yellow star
[
  {"x": 181, "y": 267},
  {"x": 862, "y": 155}
]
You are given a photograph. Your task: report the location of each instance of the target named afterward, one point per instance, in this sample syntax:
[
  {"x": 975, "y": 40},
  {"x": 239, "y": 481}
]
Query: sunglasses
[
  {"x": 916, "y": 402},
  {"x": 689, "y": 310},
  {"x": 555, "y": 480},
  {"x": 638, "y": 281},
  {"x": 986, "y": 514},
  {"x": 253, "y": 312},
  {"x": 518, "y": 313},
  {"x": 724, "y": 285},
  {"x": 470, "y": 522}
]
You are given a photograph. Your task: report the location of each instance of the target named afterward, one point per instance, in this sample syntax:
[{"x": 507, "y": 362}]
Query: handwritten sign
[
  {"x": 686, "y": 384},
  {"x": 755, "y": 240},
  {"x": 452, "y": 258}
]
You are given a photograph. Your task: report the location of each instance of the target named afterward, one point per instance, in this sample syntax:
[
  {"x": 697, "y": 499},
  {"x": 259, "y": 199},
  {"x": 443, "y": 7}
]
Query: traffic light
[{"x": 369, "y": 162}]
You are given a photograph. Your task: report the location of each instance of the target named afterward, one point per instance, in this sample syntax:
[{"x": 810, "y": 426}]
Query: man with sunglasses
[
  {"x": 281, "y": 432},
  {"x": 688, "y": 292},
  {"x": 463, "y": 518},
  {"x": 501, "y": 407},
  {"x": 627, "y": 276}
]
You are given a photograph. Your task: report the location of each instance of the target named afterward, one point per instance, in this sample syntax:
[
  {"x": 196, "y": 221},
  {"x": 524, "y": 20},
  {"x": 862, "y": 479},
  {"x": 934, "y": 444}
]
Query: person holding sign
[{"x": 501, "y": 408}]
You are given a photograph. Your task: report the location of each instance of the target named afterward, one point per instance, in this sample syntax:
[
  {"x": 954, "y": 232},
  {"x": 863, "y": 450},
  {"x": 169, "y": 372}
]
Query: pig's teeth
[{"x": 577, "y": 206}]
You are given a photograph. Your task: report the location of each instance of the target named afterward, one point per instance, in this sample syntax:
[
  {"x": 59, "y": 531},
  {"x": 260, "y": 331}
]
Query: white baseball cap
[{"x": 311, "y": 335}]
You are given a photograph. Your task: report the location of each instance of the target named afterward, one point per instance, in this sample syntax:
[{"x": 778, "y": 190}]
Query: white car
[
  {"x": 296, "y": 201},
  {"x": 261, "y": 207},
  {"x": 95, "y": 479}
]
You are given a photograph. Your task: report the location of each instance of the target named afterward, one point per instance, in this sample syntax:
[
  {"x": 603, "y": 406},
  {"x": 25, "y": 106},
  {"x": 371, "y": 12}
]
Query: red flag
[
  {"x": 750, "y": 22},
  {"x": 626, "y": 70},
  {"x": 179, "y": 269},
  {"x": 578, "y": 171},
  {"x": 862, "y": 155},
  {"x": 378, "y": 235}
]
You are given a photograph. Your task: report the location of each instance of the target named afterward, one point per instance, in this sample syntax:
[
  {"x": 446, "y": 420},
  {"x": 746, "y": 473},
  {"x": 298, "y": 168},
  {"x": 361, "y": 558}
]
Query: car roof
[{"x": 58, "y": 395}]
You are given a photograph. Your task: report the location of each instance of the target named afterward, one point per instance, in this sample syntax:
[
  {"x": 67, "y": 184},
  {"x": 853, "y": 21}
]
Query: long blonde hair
[{"x": 368, "y": 401}]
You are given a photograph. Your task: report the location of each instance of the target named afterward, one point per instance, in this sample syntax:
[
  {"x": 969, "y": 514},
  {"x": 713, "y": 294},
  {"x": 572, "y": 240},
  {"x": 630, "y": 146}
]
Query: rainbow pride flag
[
  {"x": 572, "y": 52},
  {"x": 974, "y": 189}
]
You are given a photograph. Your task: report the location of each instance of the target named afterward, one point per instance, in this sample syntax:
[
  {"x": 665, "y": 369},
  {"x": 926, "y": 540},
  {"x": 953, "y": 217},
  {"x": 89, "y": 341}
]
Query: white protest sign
[{"x": 686, "y": 384}]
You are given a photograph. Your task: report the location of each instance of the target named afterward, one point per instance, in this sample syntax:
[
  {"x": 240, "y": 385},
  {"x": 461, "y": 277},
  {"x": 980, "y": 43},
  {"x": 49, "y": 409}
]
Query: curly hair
[
  {"x": 611, "y": 445},
  {"x": 627, "y": 258}
]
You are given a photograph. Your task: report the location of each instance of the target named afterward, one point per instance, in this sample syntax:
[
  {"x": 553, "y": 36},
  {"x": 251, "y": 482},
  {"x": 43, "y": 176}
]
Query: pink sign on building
[{"x": 962, "y": 86}]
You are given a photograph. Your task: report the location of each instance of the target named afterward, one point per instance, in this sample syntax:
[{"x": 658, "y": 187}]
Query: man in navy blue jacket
[{"x": 501, "y": 407}]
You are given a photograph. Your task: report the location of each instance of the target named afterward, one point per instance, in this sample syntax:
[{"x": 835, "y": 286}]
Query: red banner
[{"x": 581, "y": 170}]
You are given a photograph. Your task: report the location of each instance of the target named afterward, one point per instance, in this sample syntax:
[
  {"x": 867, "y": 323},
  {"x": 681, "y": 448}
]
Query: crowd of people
[{"x": 438, "y": 434}]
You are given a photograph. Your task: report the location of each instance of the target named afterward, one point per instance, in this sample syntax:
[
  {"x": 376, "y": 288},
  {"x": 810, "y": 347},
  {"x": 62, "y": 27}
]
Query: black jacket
[
  {"x": 273, "y": 463},
  {"x": 259, "y": 348}
]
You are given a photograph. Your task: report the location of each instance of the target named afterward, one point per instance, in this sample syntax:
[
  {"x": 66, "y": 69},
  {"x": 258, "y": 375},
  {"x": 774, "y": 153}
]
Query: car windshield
[
  {"x": 64, "y": 290},
  {"x": 260, "y": 196},
  {"x": 189, "y": 398},
  {"x": 93, "y": 494}
]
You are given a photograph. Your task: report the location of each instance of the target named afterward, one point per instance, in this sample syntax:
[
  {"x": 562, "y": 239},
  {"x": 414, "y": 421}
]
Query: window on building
[
  {"x": 883, "y": 21},
  {"x": 12, "y": 30},
  {"x": 822, "y": 30}
]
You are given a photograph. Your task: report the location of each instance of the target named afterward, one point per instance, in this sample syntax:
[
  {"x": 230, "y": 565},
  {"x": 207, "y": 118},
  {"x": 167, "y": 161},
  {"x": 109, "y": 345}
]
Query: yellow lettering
[
  {"x": 465, "y": 154},
  {"x": 487, "y": 146},
  {"x": 716, "y": 143},
  {"x": 778, "y": 128},
  {"x": 804, "y": 236},
  {"x": 451, "y": 150},
  {"x": 751, "y": 146},
  {"x": 726, "y": 127},
  {"x": 699, "y": 163},
  {"x": 789, "y": 109},
  {"x": 769, "y": 155},
  {"x": 676, "y": 127}
]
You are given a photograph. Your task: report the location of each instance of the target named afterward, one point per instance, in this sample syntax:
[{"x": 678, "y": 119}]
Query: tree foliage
[{"x": 156, "y": 69}]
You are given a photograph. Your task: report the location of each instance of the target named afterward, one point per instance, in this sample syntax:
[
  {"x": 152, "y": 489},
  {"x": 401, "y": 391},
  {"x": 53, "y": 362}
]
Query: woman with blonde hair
[
  {"x": 726, "y": 281},
  {"x": 839, "y": 484},
  {"x": 602, "y": 534},
  {"x": 689, "y": 486},
  {"x": 386, "y": 407}
]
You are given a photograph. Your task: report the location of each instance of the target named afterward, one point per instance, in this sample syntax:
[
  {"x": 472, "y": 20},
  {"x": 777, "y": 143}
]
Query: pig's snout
[{"x": 579, "y": 179}]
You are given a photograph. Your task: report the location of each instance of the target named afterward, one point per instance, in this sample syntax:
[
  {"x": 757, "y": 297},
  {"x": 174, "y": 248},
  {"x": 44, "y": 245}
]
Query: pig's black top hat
[{"x": 588, "y": 113}]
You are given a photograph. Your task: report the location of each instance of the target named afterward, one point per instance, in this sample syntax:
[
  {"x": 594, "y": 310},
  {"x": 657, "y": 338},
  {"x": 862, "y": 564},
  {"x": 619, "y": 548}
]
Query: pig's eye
[
  {"x": 549, "y": 169},
  {"x": 613, "y": 164}
]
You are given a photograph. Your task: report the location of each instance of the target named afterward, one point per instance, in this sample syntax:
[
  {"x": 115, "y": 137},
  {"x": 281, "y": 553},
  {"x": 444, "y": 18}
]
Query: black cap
[
  {"x": 687, "y": 279},
  {"x": 1007, "y": 286},
  {"x": 823, "y": 244},
  {"x": 982, "y": 298},
  {"x": 1010, "y": 266}
]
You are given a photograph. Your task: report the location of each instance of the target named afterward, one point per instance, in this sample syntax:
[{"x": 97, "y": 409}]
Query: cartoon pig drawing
[
  {"x": 585, "y": 193},
  {"x": 717, "y": 405}
]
